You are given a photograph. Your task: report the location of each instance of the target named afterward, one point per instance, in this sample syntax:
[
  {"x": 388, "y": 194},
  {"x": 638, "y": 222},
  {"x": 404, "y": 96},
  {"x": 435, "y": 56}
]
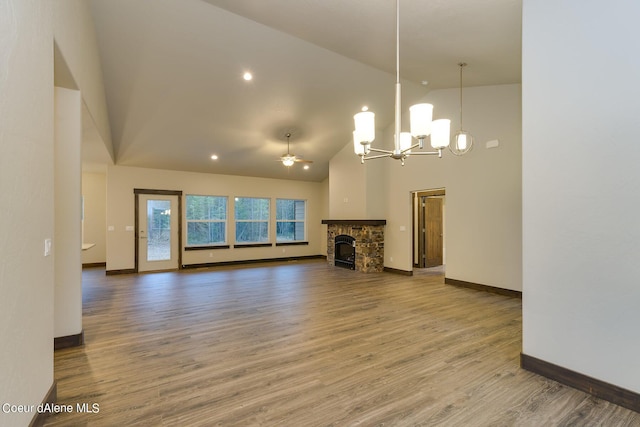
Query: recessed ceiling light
[
  {"x": 305, "y": 167},
  {"x": 424, "y": 82},
  {"x": 214, "y": 157},
  {"x": 247, "y": 76},
  {"x": 365, "y": 108}
]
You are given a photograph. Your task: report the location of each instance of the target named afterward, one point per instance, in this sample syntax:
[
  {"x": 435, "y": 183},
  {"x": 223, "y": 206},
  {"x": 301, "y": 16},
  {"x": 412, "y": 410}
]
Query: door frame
[
  {"x": 137, "y": 192},
  {"x": 416, "y": 196}
]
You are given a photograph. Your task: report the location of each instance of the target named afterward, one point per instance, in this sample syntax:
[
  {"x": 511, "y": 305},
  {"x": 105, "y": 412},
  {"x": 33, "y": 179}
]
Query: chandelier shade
[
  {"x": 358, "y": 148},
  {"x": 420, "y": 116},
  {"x": 440, "y": 133},
  {"x": 365, "y": 126}
]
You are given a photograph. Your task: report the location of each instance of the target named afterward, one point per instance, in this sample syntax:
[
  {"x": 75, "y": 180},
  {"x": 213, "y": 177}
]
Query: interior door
[
  {"x": 158, "y": 240},
  {"x": 434, "y": 231}
]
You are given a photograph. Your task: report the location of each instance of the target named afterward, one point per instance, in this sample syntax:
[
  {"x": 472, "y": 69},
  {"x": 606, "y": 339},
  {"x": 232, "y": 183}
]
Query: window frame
[
  {"x": 281, "y": 242},
  {"x": 225, "y": 221},
  {"x": 267, "y": 221}
]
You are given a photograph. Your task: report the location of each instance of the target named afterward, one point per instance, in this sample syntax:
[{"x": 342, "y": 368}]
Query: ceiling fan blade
[{"x": 299, "y": 160}]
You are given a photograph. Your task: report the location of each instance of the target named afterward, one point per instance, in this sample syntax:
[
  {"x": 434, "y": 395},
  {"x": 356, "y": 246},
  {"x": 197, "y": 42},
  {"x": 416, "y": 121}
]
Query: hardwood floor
[{"x": 306, "y": 344}]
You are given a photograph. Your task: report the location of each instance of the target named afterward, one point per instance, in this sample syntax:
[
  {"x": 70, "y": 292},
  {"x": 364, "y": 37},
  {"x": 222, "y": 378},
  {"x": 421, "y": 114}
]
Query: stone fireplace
[{"x": 356, "y": 243}]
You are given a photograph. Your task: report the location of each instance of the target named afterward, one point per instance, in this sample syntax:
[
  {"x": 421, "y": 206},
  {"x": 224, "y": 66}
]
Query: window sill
[
  {"x": 292, "y": 243},
  {"x": 253, "y": 245},
  {"x": 203, "y": 248}
]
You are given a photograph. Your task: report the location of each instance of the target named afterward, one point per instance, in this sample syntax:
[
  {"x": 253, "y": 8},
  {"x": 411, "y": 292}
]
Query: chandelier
[{"x": 420, "y": 116}]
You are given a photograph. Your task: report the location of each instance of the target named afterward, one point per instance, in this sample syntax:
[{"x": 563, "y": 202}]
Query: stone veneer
[{"x": 369, "y": 235}]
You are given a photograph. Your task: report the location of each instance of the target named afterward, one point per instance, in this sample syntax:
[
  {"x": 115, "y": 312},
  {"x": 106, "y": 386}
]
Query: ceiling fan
[{"x": 289, "y": 159}]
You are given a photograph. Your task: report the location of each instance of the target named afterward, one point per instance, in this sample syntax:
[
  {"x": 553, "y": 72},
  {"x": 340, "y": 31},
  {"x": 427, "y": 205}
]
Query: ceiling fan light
[
  {"x": 288, "y": 161},
  {"x": 420, "y": 116},
  {"x": 365, "y": 126},
  {"x": 440, "y": 133}
]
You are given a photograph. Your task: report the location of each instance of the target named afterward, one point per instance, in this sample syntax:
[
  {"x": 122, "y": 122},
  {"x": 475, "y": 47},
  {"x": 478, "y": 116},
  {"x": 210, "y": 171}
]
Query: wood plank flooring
[{"x": 306, "y": 344}]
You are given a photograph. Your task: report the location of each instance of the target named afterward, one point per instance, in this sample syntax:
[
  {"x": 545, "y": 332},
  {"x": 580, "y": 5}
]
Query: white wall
[
  {"x": 581, "y": 235},
  {"x": 67, "y": 177},
  {"x": 94, "y": 193},
  {"x": 26, "y": 203},
  {"x": 122, "y": 180}
]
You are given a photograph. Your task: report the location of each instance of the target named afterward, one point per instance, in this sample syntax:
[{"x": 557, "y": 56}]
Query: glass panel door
[
  {"x": 158, "y": 244},
  {"x": 158, "y": 230}
]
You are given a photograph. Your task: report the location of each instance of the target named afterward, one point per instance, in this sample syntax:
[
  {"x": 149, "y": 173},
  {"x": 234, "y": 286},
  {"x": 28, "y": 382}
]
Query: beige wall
[
  {"x": 355, "y": 189},
  {"x": 94, "y": 193},
  {"x": 26, "y": 203},
  {"x": 121, "y": 182},
  {"x": 483, "y": 189},
  {"x": 324, "y": 194},
  {"x": 347, "y": 186}
]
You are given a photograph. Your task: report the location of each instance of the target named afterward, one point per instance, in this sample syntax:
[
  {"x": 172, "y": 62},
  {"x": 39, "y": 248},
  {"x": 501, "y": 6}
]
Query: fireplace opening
[{"x": 345, "y": 252}]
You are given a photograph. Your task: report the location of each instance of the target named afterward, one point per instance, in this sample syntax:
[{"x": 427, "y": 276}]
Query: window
[
  {"x": 252, "y": 220},
  {"x": 290, "y": 220},
  {"x": 206, "y": 220}
]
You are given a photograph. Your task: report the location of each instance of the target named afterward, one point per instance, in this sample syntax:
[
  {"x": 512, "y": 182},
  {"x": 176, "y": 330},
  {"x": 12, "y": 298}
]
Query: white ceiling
[{"x": 173, "y": 73}]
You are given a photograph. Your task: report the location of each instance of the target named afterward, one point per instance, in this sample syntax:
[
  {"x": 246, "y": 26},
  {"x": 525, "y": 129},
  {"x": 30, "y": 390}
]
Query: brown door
[{"x": 433, "y": 233}]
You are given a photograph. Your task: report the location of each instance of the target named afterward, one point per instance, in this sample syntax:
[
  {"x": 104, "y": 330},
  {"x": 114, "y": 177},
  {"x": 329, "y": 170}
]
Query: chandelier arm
[
  {"x": 426, "y": 153},
  {"x": 377, "y": 150},
  {"x": 376, "y": 157},
  {"x": 416, "y": 145}
]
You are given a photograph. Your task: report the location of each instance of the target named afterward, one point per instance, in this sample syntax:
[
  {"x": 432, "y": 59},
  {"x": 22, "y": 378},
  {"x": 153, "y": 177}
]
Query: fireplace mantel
[{"x": 354, "y": 221}]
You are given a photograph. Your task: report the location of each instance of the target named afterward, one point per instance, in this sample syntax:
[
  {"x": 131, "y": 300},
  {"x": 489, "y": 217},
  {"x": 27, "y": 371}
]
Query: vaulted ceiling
[{"x": 173, "y": 73}]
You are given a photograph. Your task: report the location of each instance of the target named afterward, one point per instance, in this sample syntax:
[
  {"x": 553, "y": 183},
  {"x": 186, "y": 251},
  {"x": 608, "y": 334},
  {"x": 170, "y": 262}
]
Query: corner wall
[
  {"x": 26, "y": 203},
  {"x": 581, "y": 237},
  {"x": 355, "y": 189},
  {"x": 75, "y": 37}
]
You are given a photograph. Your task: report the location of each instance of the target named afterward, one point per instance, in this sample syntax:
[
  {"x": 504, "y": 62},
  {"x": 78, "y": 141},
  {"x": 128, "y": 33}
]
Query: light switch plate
[
  {"x": 493, "y": 143},
  {"x": 129, "y": 228},
  {"x": 47, "y": 247}
]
